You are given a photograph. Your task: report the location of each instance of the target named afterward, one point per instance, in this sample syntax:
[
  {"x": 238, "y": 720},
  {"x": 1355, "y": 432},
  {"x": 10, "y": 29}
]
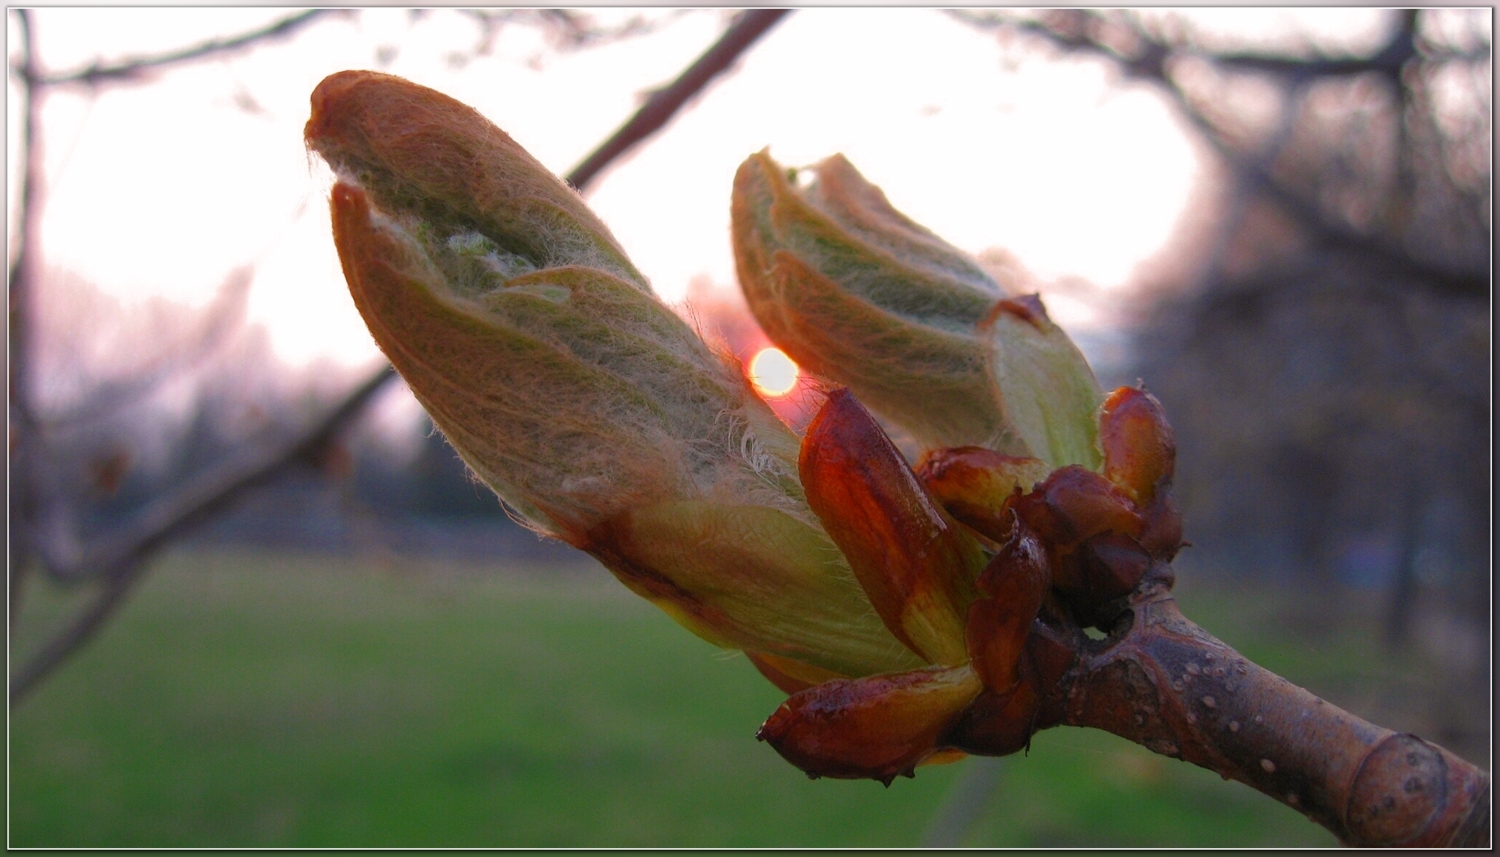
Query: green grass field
[{"x": 265, "y": 700}]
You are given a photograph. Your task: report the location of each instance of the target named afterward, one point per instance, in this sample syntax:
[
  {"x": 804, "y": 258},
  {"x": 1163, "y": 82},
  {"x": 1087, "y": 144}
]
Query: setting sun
[{"x": 772, "y": 372}]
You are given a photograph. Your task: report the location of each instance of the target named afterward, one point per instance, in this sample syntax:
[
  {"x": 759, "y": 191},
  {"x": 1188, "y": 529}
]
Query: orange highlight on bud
[
  {"x": 1084, "y": 504},
  {"x": 973, "y": 484},
  {"x": 915, "y": 564},
  {"x": 1016, "y": 582},
  {"x": 1139, "y": 449},
  {"x": 879, "y": 727}
]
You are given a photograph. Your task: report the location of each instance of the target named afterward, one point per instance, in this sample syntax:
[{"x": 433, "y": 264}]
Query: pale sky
[{"x": 164, "y": 188}]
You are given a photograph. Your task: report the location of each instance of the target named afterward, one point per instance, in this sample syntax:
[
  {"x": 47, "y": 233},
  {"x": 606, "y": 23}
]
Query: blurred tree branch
[
  {"x": 38, "y": 513},
  {"x": 1138, "y": 52},
  {"x": 664, "y": 103},
  {"x": 19, "y": 309},
  {"x": 135, "y": 69},
  {"x": 568, "y": 28},
  {"x": 118, "y": 560}
]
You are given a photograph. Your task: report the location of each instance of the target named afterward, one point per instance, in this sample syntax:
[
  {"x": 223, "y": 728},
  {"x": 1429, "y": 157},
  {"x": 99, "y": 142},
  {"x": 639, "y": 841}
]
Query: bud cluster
[
  {"x": 1037, "y": 507},
  {"x": 1057, "y": 551},
  {"x": 912, "y": 615}
]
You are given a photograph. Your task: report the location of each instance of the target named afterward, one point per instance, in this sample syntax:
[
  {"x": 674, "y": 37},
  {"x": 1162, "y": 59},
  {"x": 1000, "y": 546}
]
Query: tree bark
[{"x": 1161, "y": 681}]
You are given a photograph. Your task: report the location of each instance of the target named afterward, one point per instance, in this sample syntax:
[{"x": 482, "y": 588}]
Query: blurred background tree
[{"x": 1317, "y": 329}]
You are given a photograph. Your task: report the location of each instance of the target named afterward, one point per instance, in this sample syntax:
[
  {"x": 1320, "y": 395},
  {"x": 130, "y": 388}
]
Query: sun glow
[{"x": 772, "y": 372}]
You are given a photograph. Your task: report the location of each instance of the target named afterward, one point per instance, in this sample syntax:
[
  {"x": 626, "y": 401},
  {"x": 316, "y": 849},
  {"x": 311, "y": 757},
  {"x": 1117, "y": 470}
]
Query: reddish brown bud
[
  {"x": 1111, "y": 564},
  {"x": 1139, "y": 449},
  {"x": 973, "y": 484},
  {"x": 1016, "y": 581},
  {"x": 997, "y": 723},
  {"x": 1086, "y": 504},
  {"x": 1163, "y": 535},
  {"x": 878, "y": 727},
  {"x": 1051, "y": 648},
  {"x": 915, "y": 564}
]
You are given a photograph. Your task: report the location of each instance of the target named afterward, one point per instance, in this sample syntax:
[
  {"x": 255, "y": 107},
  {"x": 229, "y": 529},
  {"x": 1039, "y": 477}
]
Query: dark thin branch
[
  {"x": 132, "y": 69},
  {"x": 1441, "y": 278},
  {"x": 1079, "y": 31},
  {"x": 1388, "y": 60},
  {"x": 1242, "y": 189},
  {"x": 22, "y": 267},
  {"x": 566, "y": 30},
  {"x": 210, "y": 491},
  {"x": 83, "y": 627},
  {"x": 22, "y": 496},
  {"x": 577, "y": 31},
  {"x": 121, "y": 557},
  {"x": 665, "y": 103}
]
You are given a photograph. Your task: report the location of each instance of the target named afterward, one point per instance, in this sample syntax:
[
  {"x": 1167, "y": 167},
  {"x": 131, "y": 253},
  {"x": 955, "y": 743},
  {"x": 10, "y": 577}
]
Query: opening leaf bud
[
  {"x": 591, "y": 409},
  {"x": 857, "y": 292},
  {"x": 572, "y": 393},
  {"x": 915, "y": 563},
  {"x": 416, "y": 150},
  {"x": 853, "y": 290},
  {"x": 1050, "y": 395}
]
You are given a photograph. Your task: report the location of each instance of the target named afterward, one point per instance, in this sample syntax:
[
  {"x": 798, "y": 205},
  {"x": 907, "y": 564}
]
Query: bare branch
[
  {"x": 1166, "y": 684},
  {"x": 665, "y": 103},
  {"x": 1149, "y": 57},
  {"x": 212, "y": 490},
  {"x": 121, "y": 556},
  {"x": 1441, "y": 278},
  {"x": 578, "y": 31},
  {"x": 19, "y": 317},
  {"x": 79, "y": 631},
  {"x": 22, "y": 267},
  {"x": 133, "y": 69},
  {"x": 1388, "y": 60}
]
